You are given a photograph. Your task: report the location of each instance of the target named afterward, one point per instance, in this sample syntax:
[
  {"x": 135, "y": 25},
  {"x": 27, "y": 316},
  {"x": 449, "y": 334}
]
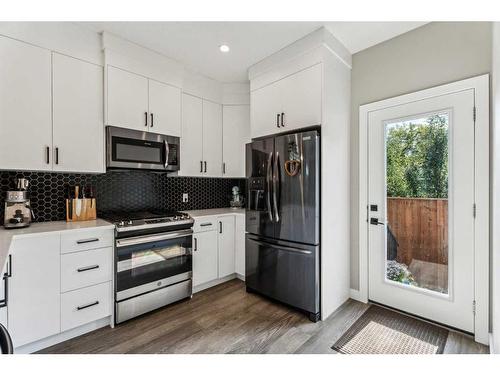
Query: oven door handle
[
  {"x": 147, "y": 239},
  {"x": 167, "y": 152}
]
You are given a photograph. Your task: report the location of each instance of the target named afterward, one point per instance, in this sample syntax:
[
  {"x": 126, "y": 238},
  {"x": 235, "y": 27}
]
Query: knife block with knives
[{"x": 80, "y": 204}]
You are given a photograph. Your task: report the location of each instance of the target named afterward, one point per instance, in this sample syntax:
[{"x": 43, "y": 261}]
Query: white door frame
[{"x": 480, "y": 85}]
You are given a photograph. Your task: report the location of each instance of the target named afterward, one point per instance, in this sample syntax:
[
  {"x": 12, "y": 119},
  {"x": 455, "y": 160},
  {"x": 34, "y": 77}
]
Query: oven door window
[
  {"x": 141, "y": 264},
  {"x": 138, "y": 151}
]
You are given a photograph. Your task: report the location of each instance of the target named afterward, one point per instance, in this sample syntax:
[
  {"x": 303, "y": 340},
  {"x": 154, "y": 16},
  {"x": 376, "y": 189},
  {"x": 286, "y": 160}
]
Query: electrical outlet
[{"x": 185, "y": 198}]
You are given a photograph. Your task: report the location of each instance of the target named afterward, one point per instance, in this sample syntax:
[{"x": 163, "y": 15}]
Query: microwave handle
[{"x": 167, "y": 152}]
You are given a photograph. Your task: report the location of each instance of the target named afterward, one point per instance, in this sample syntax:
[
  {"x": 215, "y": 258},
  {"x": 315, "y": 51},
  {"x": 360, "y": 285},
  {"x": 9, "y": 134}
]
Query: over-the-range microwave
[{"x": 134, "y": 149}]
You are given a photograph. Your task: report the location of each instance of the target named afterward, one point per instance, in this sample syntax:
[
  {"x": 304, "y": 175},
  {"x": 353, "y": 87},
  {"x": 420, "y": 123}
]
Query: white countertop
[
  {"x": 216, "y": 212},
  {"x": 7, "y": 235}
]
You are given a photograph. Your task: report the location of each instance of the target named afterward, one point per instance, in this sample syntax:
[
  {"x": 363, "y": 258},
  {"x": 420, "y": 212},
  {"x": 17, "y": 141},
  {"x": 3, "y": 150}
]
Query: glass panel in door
[{"x": 417, "y": 202}]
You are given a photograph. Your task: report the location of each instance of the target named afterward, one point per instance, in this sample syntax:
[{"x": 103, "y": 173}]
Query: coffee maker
[{"x": 18, "y": 213}]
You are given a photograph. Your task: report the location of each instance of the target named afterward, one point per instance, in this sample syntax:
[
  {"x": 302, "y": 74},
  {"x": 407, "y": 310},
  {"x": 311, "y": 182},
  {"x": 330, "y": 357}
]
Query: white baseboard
[
  {"x": 240, "y": 277},
  {"x": 212, "y": 283},
  {"x": 356, "y": 295},
  {"x": 56, "y": 339}
]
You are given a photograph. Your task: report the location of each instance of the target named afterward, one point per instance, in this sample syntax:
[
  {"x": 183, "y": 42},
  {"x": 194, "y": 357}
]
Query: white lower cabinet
[
  {"x": 85, "y": 305},
  {"x": 51, "y": 291},
  {"x": 226, "y": 245},
  {"x": 204, "y": 257},
  {"x": 239, "y": 245},
  {"x": 215, "y": 248},
  {"x": 34, "y": 289}
]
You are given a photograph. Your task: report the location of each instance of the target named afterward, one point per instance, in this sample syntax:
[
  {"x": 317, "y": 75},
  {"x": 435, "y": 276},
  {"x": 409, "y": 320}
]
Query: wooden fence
[{"x": 420, "y": 226}]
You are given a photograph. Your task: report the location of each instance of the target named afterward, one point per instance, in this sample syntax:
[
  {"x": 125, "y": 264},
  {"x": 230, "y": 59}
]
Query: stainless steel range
[{"x": 153, "y": 260}]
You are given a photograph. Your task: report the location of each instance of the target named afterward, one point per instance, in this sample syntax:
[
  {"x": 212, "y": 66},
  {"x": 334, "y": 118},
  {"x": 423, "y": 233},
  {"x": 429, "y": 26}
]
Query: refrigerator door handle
[
  {"x": 275, "y": 187},
  {"x": 268, "y": 180},
  {"x": 282, "y": 247}
]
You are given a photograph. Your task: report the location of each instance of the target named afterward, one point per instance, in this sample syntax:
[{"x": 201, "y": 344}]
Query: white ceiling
[{"x": 196, "y": 44}]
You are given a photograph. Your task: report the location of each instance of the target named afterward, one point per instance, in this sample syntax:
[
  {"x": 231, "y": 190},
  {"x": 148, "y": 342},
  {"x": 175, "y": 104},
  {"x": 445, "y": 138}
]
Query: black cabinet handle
[
  {"x": 205, "y": 167},
  {"x": 5, "y": 300},
  {"x": 223, "y": 168},
  {"x": 278, "y": 120},
  {"x": 205, "y": 224},
  {"x": 88, "y": 268},
  {"x": 152, "y": 120},
  {"x": 145, "y": 119},
  {"x": 47, "y": 154},
  {"x": 87, "y": 306},
  {"x": 220, "y": 226},
  {"x": 9, "y": 272},
  {"x": 282, "y": 117},
  {"x": 201, "y": 166},
  {"x": 195, "y": 244},
  {"x": 57, "y": 155},
  {"x": 79, "y": 242}
]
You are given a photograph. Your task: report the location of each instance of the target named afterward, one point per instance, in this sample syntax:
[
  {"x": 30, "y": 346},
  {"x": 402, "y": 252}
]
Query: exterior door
[{"x": 421, "y": 208}]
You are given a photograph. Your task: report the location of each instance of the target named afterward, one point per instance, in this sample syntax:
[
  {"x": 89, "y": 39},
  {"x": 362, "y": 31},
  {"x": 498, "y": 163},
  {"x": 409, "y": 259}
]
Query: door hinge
[
  {"x": 474, "y": 114},
  {"x": 474, "y": 209},
  {"x": 474, "y": 307}
]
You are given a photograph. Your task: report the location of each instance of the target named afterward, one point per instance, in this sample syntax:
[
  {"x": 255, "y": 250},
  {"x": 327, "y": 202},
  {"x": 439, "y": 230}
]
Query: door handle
[
  {"x": 374, "y": 221},
  {"x": 282, "y": 119},
  {"x": 88, "y": 268},
  {"x": 145, "y": 119},
  {"x": 152, "y": 120},
  {"x": 167, "y": 149},
  {"x": 275, "y": 187},
  {"x": 220, "y": 226},
  {"x": 205, "y": 167},
  {"x": 87, "y": 306},
  {"x": 57, "y": 155},
  {"x": 278, "y": 120},
  {"x": 201, "y": 166},
  {"x": 269, "y": 173},
  {"x": 195, "y": 244},
  {"x": 47, "y": 154}
]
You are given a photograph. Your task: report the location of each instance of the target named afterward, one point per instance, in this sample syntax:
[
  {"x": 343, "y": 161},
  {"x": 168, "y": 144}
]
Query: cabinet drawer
[
  {"x": 72, "y": 241},
  {"x": 85, "y": 305},
  {"x": 205, "y": 224},
  {"x": 85, "y": 268}
]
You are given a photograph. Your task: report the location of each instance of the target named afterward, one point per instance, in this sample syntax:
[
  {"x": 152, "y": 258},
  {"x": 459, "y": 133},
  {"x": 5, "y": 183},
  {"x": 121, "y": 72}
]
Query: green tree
[{"x": 417, "y": 158}]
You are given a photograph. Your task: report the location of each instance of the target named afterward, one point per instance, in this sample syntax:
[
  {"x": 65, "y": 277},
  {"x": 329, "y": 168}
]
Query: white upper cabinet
[
  {"x": 127, "y": 99},
  {"x": 78, "y": 128},
  {"x": 191, "y": 155},
  {"x": 201, "y": 137},
  {"x": 301, "y": 94},
  {"x": 164, "y": 109},
  {"x": 291, "y": 103},
  {"x": 136, "y": 102},
  {"x": 235, "y": 134},
  {"x": 212, "y": 139},
  {"x": 25, "y": 106}
]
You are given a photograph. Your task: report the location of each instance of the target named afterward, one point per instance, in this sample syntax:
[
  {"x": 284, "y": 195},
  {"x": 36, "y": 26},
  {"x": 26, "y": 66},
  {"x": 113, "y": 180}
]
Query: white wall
[
  {"x": 434, "y": 54},
  {"x": 495, "y": 168}
]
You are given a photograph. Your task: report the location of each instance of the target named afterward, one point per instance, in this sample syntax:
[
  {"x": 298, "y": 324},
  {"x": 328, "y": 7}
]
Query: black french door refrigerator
[{"x": 282, "y": 248}]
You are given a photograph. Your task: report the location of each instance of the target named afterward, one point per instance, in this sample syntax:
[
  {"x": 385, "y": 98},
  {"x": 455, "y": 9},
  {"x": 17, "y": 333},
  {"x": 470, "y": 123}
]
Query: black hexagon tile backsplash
[{"x": 121, "y": 191}]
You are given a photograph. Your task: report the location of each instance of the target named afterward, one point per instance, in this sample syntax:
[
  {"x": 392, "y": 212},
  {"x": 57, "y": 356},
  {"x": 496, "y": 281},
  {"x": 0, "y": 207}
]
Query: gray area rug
[{"x": 382, "y": 331}]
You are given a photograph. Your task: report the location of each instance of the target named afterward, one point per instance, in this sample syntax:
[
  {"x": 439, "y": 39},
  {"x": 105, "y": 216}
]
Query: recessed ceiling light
[{"x": 224, "y": 48}]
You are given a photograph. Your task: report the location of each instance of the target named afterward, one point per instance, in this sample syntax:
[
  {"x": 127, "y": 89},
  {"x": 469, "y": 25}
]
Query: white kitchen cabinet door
[
  {"x": 127, "y": 100},
  {"x": 235, "y": 134},
  {"x": 78, "y": 126},
  {"x": 191, "y": 159},
  {"x": 212, "y": 139},
  {"x": 226, "y": 225},
  {"x": 3, "y": 310},
  {"x": 164, "y": 109},
  {"x": 239, "y": 245},
  {"x": 204, "y": 257},
  {"x": 25, "y": 106},
  {"x": 301, "y": 94},
  {"x": 34, "y": 289},
  {"x": 265, "y": 105}
]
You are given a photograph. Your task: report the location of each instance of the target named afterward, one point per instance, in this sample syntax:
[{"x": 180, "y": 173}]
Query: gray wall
[{"x": 434, "y": 54}]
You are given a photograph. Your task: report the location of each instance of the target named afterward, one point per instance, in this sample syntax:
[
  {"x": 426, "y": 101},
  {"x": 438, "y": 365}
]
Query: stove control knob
[
  {"x": 129, "y": 222},
  {"x": 121, "y": 223}
]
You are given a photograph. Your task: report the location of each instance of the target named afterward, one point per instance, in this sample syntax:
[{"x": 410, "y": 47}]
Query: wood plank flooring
[{"x": 226, "y": 319}]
